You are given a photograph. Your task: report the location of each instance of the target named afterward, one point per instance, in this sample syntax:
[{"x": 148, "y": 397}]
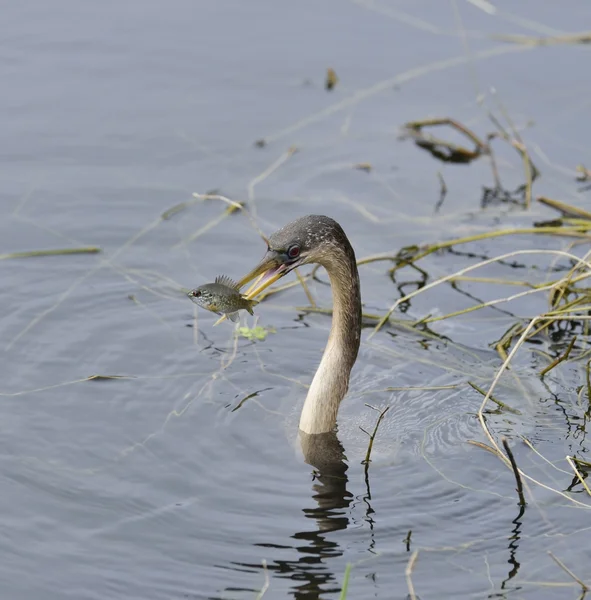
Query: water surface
[{"x": 178, "y": 479}]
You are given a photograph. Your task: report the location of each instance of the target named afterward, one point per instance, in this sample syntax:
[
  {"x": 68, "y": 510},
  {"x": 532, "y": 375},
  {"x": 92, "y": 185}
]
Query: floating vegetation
[
  {"x": 441, "y": 149},
  {"x": 567, "y": 210},
  {"x": 528, "y": 40},
  {"x": 255, "y": 333},
  {"x": 449, "y": 152},
  {"x": 363, "y": 167},
  {"x": 331, "y": 79},
  {"x": 585, "y": 174},
  {"x": 500, "y": 404},
  {"x": 55, "y": 252},
  {"x": 108, "y": 377}
]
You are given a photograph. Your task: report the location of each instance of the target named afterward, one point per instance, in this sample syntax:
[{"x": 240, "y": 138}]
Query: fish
[{"x": 222, "y": 297}]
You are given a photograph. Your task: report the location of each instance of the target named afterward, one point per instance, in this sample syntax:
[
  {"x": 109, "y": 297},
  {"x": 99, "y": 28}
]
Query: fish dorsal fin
[{"x": 225, "y": 280}]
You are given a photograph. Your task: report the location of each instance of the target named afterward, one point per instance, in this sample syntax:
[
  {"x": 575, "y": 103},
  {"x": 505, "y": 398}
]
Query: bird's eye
[
  {"x": 197, "y": 294},
  {"x": 293, "y": 251}
]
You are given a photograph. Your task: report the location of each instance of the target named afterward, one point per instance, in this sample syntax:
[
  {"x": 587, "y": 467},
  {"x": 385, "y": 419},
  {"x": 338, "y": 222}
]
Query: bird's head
[{"x": 308, "y": 239}]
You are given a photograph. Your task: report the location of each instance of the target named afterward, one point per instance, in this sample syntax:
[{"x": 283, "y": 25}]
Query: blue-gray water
[{"x": 164, "y": 484}]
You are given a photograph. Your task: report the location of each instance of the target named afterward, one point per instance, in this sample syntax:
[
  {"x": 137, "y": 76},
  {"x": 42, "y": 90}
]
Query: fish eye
[{"x": 293, "y": 251}]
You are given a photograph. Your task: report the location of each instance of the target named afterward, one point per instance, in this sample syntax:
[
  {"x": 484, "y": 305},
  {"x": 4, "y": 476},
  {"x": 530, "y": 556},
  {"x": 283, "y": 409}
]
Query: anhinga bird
[{"x": 319, "y": 239}]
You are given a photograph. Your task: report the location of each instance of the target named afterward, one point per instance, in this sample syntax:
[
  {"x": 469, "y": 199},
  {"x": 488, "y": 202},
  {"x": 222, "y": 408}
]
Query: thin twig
[
  {"x": 483, "y": 263},
  {"x": 496, "y": 379},
  {"x": 583, "y": 585},
  {"x": 406, "y": 540},
  {"x": 495, "y": 400},
  {"x": 566, "y": 209},
  {"x": 483, "y": 446},
  {"x": 531, "y": 172},
  {"x": 232, "y": 208},
  {"x": 372, "y": 436},
  {"x": 509, "y": 452},
  {"x": 268, "y": 171},
  {"x": 570, "y": 461},
  {"x": 266, "y": 584},
  {"x": 572, "y": 38},
  {"x": 55, "y": 252},
  {"x": 306, "y": 288},
  {"x": 408, "y": 573},
  {"x": 564, "y": 356}
]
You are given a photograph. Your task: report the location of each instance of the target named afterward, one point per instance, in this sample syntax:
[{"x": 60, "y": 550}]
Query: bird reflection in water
[{"x": 311, "y": 572}]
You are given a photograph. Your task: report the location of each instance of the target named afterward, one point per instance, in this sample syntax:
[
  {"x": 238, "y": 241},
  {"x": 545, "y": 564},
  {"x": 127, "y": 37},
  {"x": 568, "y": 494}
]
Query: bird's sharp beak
[{"x": 267, "y": 272}]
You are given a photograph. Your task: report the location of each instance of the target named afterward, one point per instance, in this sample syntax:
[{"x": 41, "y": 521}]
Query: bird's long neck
[{"x": 331, "y": 382}]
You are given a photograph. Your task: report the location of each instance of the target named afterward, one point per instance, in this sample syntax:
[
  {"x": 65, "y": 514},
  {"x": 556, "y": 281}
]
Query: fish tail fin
[
  {"x": 233, "y": 316},
  {"x": 250, "y": 305}
]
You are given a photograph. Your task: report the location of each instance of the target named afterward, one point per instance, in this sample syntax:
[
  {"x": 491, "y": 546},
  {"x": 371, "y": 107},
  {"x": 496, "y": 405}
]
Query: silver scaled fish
[{"x": 222, "y": 297}]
